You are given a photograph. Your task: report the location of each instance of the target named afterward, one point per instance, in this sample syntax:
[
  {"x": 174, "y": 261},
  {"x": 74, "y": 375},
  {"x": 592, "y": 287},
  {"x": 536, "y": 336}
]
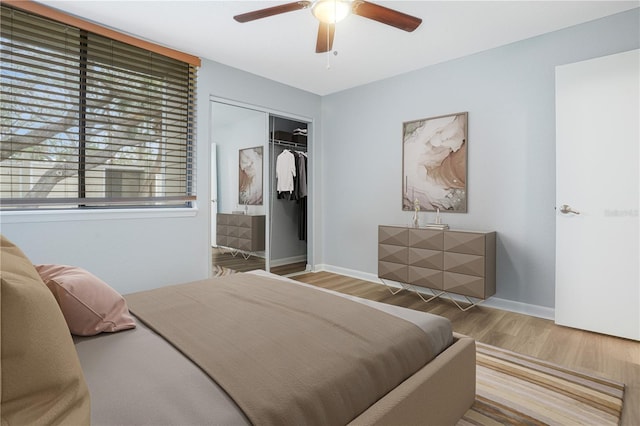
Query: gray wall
[
  {"x": 509, "y": 94},
  {"x": 356, "y": 168},
  {"x": 137, "y": 251}
]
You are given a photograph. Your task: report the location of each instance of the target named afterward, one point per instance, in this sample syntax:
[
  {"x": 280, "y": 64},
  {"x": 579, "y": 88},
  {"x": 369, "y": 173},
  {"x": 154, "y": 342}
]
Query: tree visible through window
[{"x": 78, "y": 109}]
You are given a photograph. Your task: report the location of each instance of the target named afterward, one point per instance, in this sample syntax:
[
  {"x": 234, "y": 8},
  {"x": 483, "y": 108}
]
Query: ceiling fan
[{"x": 329, "y": 12}]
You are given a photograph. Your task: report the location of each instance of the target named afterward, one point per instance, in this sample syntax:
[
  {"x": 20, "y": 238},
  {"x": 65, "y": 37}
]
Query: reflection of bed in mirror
[{"x": 254, "y": 348}]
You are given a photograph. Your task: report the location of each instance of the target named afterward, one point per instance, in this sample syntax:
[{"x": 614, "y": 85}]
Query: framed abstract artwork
[
  {"x": 434, "y": 163},
  {"x": 250, "y": 176}
]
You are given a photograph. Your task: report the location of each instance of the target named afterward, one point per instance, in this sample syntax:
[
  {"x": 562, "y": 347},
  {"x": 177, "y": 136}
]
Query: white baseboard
[
  {"x": 492, "y": 302},
  {"x": 521, "y": 308},
  {"x": 288, "y": 260}
]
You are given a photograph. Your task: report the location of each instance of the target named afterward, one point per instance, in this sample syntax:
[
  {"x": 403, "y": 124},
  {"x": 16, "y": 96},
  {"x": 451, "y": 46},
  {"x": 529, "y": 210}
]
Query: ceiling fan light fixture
[{"x": 331, "y": 11}]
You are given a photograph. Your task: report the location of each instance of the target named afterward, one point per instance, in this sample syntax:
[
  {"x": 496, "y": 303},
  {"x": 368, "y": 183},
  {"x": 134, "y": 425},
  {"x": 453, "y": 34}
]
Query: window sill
[{"x": 42, "y": 216}]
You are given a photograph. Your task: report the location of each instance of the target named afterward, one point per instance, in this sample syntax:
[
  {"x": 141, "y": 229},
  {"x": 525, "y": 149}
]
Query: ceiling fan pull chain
[{"x": 328, "y": 51}]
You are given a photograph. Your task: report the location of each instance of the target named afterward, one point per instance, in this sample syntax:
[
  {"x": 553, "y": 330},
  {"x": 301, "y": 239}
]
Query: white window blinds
[{"x": 75, "y": 106}]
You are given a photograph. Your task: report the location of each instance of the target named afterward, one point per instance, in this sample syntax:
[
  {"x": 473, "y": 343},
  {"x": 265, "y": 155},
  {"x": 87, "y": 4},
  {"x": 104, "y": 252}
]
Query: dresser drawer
[
  {"x": 244, "y": 221},
  {"x": 391, "y": 253},
  {"x": 244, "y": 233},
  {"x": 469, "y": 264},
  {"x": 222, "y": 219},
  {"x": 465, "y": 242},
  {"x": 426, "y": 239},
  {"x": 467, "y": 285},
  {"x": 426, "y": 258},
  {"x": 393, "y": 235},
  {"x": 393, "y": 271},
  {"x": 425, "y": 277},
  {"x": 222, "y": 240},
  {"x": 244, "y": 244}
]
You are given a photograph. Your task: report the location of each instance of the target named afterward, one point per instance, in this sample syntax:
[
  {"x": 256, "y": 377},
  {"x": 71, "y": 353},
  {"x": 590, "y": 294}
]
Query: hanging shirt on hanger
[
  {"x": 301, "y": 181},
  {"x": 285, "y": 171}
]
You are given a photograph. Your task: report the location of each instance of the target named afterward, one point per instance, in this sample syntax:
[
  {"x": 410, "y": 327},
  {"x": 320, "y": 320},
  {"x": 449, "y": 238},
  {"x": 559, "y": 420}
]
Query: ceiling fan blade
[
  {"x": 385, "y": 15},
  {"x": 325, "y": 37},
  {"x": 270, "y": 11}
]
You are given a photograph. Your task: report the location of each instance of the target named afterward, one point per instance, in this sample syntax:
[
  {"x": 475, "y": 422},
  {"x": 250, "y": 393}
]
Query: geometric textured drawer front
[
  {"x": 469, "y": 264},
  {"x": 426, "y": 239},
  {"x": 389, "y": 253},
  {"x": 392, "y": 271},
  {"x": 462, "y": 262},
  {"x": 232, "y": 242},
  {"x": 241, "y": 232},
  {"x": 465, "y": 285},
  {"x": 424, "y": 258},
  {"x": 393, "y": 235},
  {"x": 244, "y": 233},
  {"x": 244, "y": 221},
  {"x": 425, "y": 277},
  {"x": 464, "y": 242},
  {"x": 244, "y": 244}
]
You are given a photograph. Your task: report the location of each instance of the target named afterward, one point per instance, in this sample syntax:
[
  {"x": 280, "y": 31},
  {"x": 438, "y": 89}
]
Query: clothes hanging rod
[{"x": 288, "y": 143}]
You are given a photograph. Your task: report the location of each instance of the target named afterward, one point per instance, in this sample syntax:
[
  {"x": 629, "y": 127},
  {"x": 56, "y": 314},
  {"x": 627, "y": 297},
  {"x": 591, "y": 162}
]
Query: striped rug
[{"x": 514, "y": 389}]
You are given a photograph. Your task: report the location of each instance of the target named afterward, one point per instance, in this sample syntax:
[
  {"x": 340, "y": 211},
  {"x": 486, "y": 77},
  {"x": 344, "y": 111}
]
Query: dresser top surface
[{"x": 437, "y": 229}]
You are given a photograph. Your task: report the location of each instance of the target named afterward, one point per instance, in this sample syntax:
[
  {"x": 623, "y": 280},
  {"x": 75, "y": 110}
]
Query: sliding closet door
[{"x": 235, "y": 130}]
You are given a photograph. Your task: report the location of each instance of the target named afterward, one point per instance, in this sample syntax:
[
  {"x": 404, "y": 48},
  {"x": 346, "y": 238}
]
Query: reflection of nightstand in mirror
[
  {"x": 443, "y": 261},
  {"x": 241, "y": 232}
]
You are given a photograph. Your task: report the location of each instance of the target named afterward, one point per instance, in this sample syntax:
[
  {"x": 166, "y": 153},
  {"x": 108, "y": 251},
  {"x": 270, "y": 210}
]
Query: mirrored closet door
[{"x": 259, "y": 190}]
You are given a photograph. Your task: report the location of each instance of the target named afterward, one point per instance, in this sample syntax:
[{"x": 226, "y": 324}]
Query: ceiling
[{"x": 282, "y": 47}]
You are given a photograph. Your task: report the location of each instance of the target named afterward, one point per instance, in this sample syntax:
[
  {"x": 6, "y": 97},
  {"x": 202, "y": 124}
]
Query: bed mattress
[{"x": 136, "y": 377}]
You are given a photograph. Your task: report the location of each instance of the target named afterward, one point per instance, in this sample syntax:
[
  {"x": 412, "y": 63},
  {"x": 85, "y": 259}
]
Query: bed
[{"x": 134, "y": 376}]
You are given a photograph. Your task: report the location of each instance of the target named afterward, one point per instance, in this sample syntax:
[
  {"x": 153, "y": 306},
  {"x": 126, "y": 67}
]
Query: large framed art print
[
  {"x": 250, "y": 176},
  {"x": 434, "y": 163}
]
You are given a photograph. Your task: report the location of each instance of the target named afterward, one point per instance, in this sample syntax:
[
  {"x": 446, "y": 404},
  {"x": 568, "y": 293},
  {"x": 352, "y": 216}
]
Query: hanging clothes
[
  {"x": 301, "y": 174},
  {"x": 291, "y": 184},
  {"x": 301, "y": 193},
  {"x": 285, "y": 171}
]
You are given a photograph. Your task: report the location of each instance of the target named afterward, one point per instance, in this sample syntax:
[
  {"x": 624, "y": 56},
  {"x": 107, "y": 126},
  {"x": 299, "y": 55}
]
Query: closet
[
  {"x": 288, "y": 198},
  {"x": 269, "y": 233}
]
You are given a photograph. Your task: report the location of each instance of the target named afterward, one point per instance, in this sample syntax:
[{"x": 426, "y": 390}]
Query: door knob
[{"x": 566, "y": 209}]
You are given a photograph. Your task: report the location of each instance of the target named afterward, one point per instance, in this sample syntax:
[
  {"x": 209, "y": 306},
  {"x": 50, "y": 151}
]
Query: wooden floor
[
  {"x": 226, "y": 258},
  {"x": 610, "y": 357}
]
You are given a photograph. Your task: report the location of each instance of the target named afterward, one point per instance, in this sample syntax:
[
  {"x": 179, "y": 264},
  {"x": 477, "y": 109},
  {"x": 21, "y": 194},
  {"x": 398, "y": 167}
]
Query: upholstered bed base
[{"x": 439, "y": 394}]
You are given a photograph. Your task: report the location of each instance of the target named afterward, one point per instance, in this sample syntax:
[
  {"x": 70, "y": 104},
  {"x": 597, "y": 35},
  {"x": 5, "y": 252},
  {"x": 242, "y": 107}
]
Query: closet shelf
[{"x": 288, "y": 143}]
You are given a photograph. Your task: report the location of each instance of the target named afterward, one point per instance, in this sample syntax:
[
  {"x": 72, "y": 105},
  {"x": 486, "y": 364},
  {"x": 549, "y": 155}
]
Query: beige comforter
[{"x": 286, "y": 354}]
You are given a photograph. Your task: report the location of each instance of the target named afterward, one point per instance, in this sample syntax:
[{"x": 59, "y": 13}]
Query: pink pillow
[{"x": 89, "y": 305}]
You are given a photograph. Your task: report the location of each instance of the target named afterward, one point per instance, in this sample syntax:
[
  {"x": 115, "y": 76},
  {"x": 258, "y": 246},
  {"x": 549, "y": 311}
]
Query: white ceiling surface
[{"x": 282, "y": 47}]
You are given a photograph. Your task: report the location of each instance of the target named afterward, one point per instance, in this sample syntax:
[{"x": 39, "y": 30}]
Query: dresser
[
  {"x": 450, "y": 261},
  {"x": 240, "y": 231}
]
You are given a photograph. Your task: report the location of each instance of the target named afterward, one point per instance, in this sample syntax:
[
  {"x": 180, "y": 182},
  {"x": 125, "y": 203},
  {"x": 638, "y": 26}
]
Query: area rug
[
  {"x": 514, "y": 389},
  {"x": 221, "y": 271}
]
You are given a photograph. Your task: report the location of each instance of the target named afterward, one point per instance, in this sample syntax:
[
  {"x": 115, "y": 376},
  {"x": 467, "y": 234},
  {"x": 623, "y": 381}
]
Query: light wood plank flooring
[
  {"x": 610, "y": 357},
  {"x": 225, "y": 258}
]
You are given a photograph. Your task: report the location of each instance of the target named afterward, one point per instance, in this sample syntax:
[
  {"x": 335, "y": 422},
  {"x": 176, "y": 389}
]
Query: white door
[
  {"x": 214, "y": 193},
  {"x": 597, "y": 195}
]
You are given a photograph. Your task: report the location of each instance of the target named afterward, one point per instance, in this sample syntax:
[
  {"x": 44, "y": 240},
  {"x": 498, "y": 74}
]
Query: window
[{"x": 88, "y": 121}]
